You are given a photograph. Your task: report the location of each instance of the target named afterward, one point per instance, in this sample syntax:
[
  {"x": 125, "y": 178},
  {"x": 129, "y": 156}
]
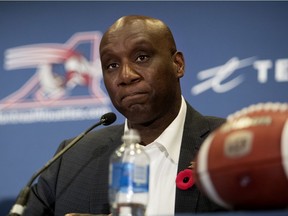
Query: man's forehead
[
  {"x": 135, "y": 41},
  {"x": 133, "y": 33}
]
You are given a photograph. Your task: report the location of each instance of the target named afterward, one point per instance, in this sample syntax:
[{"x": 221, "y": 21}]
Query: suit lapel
[{"x": 195, "y": 127}]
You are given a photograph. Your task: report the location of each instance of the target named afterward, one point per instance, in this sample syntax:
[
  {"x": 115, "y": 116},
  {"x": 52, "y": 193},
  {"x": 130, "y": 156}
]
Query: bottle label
[{"x": 129, "y": 177}]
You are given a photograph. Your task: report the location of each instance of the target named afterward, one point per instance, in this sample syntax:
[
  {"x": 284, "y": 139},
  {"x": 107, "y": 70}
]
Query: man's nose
[{"x": 128, "y": 75}]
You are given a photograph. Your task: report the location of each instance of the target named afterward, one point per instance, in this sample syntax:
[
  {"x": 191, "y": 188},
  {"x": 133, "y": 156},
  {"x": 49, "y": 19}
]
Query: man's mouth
[{"x": 135, "y": 96}]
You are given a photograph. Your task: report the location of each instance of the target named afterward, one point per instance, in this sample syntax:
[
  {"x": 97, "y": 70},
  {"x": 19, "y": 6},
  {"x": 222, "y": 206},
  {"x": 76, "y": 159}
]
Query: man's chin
[{"x": 137, "y": 116}]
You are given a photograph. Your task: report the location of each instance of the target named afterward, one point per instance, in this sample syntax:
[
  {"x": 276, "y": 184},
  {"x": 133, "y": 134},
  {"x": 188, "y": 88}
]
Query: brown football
[{"x": 244, "y": 163}]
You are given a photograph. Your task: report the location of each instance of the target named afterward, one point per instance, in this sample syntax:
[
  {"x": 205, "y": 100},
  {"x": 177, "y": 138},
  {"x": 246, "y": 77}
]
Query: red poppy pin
[{"x": 185, "y": 179}]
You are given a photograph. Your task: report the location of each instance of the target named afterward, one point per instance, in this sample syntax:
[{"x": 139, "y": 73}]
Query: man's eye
[
  {"x": 112, "y": 66},
  {"x": 142, "y": 58}
]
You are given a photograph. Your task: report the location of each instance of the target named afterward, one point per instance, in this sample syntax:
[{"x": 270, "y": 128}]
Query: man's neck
[{"x": 152, "y": 130}]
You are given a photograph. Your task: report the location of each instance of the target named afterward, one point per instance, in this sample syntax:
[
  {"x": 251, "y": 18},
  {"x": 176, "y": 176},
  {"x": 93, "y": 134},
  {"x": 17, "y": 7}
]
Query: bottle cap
[{"x": 131, "y": 136}]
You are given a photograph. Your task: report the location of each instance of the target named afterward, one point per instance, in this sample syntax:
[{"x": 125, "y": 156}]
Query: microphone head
[{"x": 108, "y": 118}]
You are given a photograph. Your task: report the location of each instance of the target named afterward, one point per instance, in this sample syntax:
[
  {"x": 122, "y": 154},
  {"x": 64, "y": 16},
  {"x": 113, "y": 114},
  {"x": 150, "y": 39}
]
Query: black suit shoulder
[
  {"x": 78, "y": 181},
  {"x": 214, "y": 122}
]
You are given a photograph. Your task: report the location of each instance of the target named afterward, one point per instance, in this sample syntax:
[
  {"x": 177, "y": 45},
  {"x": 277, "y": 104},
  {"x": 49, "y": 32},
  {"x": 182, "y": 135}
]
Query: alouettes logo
[{"x": 65, "y": 82}]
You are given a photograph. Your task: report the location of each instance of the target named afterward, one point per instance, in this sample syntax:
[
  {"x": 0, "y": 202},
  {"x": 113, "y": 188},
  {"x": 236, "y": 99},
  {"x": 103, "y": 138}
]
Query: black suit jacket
[{"x": 78, "y": 182}]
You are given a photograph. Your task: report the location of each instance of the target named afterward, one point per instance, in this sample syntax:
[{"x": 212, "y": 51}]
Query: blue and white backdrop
[{"x": 51, "y": 86}]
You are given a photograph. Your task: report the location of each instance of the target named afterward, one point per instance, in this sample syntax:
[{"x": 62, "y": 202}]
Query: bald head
[{"x": 150, "y": 25}]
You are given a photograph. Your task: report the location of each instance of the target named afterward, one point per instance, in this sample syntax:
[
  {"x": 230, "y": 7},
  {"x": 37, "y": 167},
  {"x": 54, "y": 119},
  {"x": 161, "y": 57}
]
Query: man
[{"x": 141, "y": 71}]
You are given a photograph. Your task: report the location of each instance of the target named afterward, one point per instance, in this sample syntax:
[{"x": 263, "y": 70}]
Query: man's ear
[{"x": 180, "y": 64}]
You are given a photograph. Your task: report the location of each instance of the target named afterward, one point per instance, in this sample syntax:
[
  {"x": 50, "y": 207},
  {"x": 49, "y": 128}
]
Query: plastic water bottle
[{"x": 129, "y": 177}]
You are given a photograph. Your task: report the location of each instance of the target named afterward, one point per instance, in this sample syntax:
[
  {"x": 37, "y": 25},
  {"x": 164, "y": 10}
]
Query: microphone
[{"x": 21, "y": 201}]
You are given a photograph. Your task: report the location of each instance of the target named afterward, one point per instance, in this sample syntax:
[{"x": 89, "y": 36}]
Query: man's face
[{"x": 139, "y": 72}]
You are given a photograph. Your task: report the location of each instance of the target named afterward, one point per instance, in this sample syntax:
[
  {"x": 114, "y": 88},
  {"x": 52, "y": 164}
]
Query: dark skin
[{"x": 142, "y": 71}]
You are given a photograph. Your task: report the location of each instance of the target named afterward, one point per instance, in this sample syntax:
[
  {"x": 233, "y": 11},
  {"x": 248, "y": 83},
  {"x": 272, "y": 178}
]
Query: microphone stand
[{"x": 21, "y": 201}]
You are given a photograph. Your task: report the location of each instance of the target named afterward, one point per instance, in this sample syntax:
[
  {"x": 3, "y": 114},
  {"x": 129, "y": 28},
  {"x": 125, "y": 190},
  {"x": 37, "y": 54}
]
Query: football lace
[{"x": 269, "y": 106}]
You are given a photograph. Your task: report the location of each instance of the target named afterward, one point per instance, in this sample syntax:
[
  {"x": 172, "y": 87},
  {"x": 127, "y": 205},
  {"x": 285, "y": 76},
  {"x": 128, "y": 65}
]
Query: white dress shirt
[{"x": 164, "y": 155}]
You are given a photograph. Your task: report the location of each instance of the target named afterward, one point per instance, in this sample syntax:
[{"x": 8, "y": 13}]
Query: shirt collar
[{"x": 171, "y": 137}]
